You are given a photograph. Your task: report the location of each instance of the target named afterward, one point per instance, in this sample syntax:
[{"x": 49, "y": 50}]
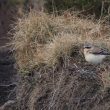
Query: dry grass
[
  {"x": 40, "y": 38},
  {"x": 68, "y": 88},
  {"x": 31, "y": 33},
  {"x": 62, "y": 47}
]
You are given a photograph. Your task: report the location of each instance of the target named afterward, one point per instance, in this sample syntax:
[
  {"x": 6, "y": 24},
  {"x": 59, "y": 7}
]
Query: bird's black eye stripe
[{"x": 87, "y": 47}]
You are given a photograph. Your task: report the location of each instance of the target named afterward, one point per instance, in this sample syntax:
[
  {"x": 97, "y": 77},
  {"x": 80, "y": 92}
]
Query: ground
[{"x": 7, "y": 71}]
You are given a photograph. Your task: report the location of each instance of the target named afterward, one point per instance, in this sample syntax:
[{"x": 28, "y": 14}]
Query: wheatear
[{"x": 94, "y": 54}]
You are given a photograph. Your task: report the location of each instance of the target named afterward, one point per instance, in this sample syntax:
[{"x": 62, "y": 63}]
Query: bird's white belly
[{"x": 95, "y": 59}]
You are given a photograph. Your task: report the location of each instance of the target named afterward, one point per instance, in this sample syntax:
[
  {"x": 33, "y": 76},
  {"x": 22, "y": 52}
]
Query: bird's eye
[{"x": 87, "y": 47}]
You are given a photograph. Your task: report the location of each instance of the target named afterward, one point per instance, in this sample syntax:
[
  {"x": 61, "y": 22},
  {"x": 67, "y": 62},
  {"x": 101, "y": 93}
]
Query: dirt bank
[{"x": 7, "y": 71}]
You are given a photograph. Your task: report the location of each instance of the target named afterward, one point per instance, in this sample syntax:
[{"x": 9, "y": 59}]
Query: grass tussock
[
  {"x": 51, "y": 40},
  {"x": 31, "y": 33},
  {"x": 62, "y": 47},
  {"x": 40, "y": 38}
]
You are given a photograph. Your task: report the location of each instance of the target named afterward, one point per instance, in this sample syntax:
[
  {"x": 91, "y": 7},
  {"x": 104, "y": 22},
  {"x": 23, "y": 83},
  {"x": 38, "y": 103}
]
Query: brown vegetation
[
  {"x": 49, "y": 48},
  {"x": 40, "y": 38}
]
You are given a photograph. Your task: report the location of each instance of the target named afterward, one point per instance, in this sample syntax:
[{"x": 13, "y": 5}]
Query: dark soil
[
  {"x": 7, "y": 71},
  {"x": 7, "y": 75}
]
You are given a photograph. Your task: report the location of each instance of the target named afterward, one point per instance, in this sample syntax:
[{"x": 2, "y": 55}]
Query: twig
[{"x": 8, "y": 85}]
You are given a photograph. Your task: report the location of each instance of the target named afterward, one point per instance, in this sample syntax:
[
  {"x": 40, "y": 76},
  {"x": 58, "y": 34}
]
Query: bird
[{"x": 95, "y": 54}]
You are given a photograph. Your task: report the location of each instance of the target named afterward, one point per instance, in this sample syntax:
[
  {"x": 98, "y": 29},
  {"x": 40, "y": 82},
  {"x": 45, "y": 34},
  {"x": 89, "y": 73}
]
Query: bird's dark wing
[{"x": 100, "y": 51}]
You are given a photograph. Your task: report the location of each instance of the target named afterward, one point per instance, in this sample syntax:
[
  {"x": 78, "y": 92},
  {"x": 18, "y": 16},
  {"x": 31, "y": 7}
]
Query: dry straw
[
  {"x": 40, "y": 38},
  {"x": 63, "y": 46}
]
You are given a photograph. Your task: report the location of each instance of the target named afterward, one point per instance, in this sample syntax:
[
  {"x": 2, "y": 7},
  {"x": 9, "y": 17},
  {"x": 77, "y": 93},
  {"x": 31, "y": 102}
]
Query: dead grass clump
[
  {"x": 40, "y": 38},
  {"x": 62, "y": 47},
  {"x": 68, "y": 88},
  {"x": 30, "y": 34},
  {"x": 50, "y": 40}
]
